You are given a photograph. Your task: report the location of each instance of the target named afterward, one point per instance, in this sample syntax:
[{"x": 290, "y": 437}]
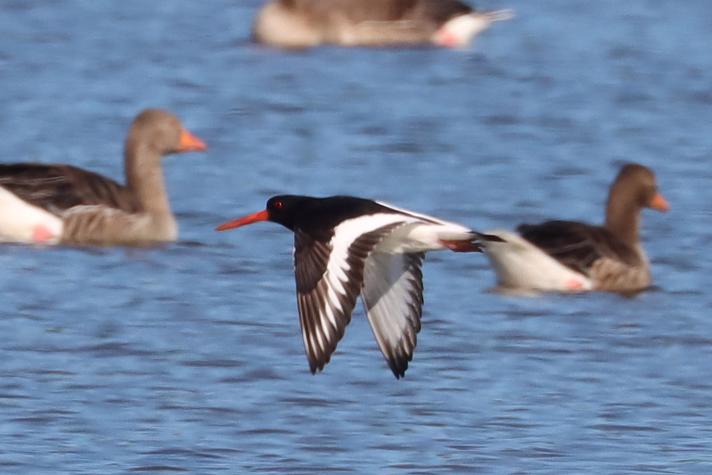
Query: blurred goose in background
[
  {"x": 307, "y": 23},
  {"x": 52, "y": 204},
  {"x": 568, "y": 256}
]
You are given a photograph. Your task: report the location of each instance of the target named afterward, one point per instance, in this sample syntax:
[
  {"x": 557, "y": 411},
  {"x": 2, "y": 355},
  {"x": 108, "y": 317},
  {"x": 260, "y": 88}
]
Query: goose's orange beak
[
  {"x": 190, "y": 143},
  {"x": 659, "y": 203},
  {"x": 245, "y": 220}
]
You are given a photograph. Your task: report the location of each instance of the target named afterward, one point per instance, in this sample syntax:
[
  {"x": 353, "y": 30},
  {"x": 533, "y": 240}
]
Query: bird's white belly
[
  {"x": 521, "y": 265},
  {"x": 25, "y": 223}
]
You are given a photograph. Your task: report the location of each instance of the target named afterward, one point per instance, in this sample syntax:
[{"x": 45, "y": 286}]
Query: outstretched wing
[
  {"x": 57, "y": 188},
  {"x": 393, "y": 297},
  {"x": 329, "y": 277}
]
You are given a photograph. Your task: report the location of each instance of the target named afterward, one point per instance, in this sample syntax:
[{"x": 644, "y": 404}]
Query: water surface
[{"x": 188, "y": 358}]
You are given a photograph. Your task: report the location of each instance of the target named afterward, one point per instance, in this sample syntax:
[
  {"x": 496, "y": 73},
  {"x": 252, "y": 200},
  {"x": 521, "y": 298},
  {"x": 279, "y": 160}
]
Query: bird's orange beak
[
  {"x": 245, "y": 220},
  {"x": 190, "y": 143},
  {"x": 659, "y": 203}
]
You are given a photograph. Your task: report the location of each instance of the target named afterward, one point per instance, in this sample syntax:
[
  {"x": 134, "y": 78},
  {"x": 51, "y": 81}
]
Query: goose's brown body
[
  {"x": 57, "y": 188},
  {"x": 307, "y": 23}
]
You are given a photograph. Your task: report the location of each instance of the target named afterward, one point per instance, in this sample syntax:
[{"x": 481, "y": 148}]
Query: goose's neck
[
  {"x": 144, "y": 177},
  {"x": 623, "y": 220}
]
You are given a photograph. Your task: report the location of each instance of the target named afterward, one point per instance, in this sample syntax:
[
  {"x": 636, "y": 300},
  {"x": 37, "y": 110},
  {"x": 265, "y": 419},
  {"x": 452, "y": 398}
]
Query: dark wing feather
[
  {"x": 355, "y": 11},
  {"x": 57, "y": 188},
  {"x": 425, "y": 11},
  {"x": 441, "y": 11},
  {"x": 578, "y": 245},
  {"x": 327, "y": 288}
]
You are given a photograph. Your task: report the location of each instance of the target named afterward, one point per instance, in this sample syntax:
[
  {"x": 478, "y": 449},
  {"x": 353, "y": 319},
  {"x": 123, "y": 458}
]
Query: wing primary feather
[
  {"x": 327, "y": 289},
  {"x": 392, "y": 295}
]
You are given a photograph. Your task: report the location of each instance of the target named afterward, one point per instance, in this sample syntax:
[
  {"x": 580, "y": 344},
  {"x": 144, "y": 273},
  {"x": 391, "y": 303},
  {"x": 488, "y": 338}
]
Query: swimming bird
[
  {"x": 346, "y": 246},
  {"x": 308, "y": 23},
  {"x": 569, "y": 256},
  {"x": 53, "y": 204}
]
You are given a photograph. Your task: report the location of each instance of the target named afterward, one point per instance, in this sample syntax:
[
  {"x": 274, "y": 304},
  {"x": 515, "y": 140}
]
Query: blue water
[{"x": 189, "y": 358}]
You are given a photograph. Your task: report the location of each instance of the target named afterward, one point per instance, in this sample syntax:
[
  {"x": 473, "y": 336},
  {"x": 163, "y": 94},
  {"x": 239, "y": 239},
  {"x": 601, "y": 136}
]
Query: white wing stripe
[
  {"x": 325, "y": 331},
  {"x": 337, "y": 277},
  {"x": 334, "y": 301}
]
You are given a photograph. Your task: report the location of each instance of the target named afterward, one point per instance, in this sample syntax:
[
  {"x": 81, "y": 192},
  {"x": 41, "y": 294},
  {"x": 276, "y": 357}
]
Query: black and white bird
[{"x": 346, "y": 246}]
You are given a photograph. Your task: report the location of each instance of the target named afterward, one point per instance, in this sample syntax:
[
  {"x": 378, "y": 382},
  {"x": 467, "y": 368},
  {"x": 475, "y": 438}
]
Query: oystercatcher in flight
[{"x": 346, "y": 246}]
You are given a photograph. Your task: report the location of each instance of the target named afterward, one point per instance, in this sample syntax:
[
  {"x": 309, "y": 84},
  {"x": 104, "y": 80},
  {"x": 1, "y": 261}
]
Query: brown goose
[
  {"x": 568, "y": 256},
  {"x": 307, "y": 23},
  {"x": 64, "y": 204}
]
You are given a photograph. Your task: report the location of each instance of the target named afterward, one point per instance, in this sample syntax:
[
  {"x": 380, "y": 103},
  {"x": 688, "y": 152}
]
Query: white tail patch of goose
[
  {"x": 520, "y": 264},
  {"x": 459, "y": 31},
  {"x": 25, "y": 223}
]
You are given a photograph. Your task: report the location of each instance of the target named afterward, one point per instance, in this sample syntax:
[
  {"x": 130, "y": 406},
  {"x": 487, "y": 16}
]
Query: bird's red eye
[{"x": 278, "y": 204}]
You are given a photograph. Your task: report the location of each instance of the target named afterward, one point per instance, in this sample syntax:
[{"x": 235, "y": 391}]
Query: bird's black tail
[
  {"x": 473, "y": 244},
  {"x": 488, "y": 237}
]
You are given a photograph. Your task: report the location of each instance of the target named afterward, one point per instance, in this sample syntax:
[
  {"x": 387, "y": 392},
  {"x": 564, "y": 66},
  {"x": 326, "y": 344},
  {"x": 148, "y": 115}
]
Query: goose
[
  {"x": 570, "y": 256},
  {"x": 309, "y": 23},
  {"x": 63, "y": 204}
]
